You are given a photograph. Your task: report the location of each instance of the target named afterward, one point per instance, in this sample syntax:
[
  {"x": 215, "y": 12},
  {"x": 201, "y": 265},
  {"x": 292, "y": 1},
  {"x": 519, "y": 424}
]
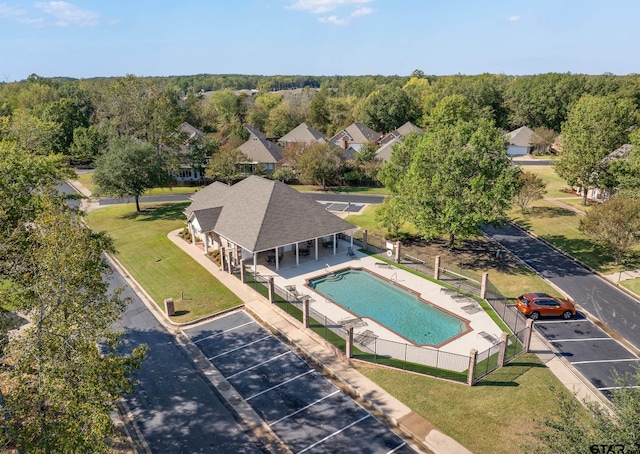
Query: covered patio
[{"x": 265, "y": 222}]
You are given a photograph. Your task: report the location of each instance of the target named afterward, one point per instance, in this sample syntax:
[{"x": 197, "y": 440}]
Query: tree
[
  {"x": 450, "y": 110},
  {"x": 319, "y": 111},
  {"x": 387, "y": 109},
  {"x": 459, "y": 177},
  {"x": 61, "y": 387},
  {"x": 532, "y": 188},
  {"x": 225, "y": 165},
  {"x": 543, "y": 139},
  {"x": 321, "y": 164},
  {"x": 614, "y": 225},
  {"x": 88, "y": 144},
  {"x": 390, "y": 216},
  {"x": 595, "y": 127},
  {"x": 575, "y": 430},
  {"x": 129, "y": 167}
]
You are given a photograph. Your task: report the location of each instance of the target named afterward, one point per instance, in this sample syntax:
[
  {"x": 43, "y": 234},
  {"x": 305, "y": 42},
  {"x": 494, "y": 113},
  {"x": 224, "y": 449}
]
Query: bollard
[
  {"x": 397, "y": 252},
  {"x": 169, "y": 308}
]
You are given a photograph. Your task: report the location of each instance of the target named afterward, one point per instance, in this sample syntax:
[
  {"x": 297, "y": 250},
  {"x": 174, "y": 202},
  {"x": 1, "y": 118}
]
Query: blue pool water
[{"x": 366, "y": 295}]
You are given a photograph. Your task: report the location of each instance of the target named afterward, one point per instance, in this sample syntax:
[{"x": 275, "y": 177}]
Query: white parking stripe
[
  {"x": 222, "y": 332},
  {"x": 280, "y": 384},
  {"x": 616, "y": 387},
  {"x": 401, "y": 445},
  {"x": 240, "y": 348},
  {"x": 333, "y": 434},
  {"x": 546, "y": 322},
  {"x": 260, "y": 364},
  {"x": 582, "y": 340},
  {"x": 606, "y": 361},
  {"x": 304, "y": 408}
]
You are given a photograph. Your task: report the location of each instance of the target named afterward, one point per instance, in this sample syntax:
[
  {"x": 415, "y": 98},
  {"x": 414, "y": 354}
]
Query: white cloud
[
  {"x": 333, "y": 20},
  {"x": 514, "y": 18},
  {"x": 65, "y": 14},
  {"x": 10, "y": 11},
  {"x": 324, "y": 6},
  {"x": 361, "y": 12}
]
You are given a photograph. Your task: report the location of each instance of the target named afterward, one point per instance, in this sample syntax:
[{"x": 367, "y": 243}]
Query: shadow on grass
[
  {"x": 163, "y": 212},
  {"x": 507, "y": 375},
  {"x": 582, "y": 249},
  {"x": 179, "y": 313},
  {"x": 550, "y": 212}
]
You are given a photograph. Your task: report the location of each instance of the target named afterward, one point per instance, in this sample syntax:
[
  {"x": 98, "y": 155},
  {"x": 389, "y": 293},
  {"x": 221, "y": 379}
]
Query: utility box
[{"x": 169, "y": 307}]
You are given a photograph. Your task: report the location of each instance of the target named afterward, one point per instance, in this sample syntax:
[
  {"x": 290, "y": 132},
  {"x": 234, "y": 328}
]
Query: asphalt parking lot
[
  {"x": 344, "y": 207},
  {"x": 305, "y": 410},
  {"x": 593, "y": 353}
]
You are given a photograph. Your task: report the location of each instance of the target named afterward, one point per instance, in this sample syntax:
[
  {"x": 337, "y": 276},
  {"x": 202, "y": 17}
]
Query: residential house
[
  {"x": 261, "y": 219},
  {"x": 386, "y": 143},
  {"x": 353, "y": 137},
  {"x": 263, "y": 154},
  {"x": 600, "y": 192},
  {"x": 520, "y": 141},
  {"x": 192, "y": 156},
  {"x": 303, "y": 133}
]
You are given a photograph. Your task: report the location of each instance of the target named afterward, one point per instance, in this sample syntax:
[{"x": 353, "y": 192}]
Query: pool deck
[{"x": 464, "y": 308}]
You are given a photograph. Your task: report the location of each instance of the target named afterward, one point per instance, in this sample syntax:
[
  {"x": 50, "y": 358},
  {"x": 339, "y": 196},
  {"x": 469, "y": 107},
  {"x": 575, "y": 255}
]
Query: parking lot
[
  {"x": 597, "y": 356},
  {"x": 306, "y": 411}
]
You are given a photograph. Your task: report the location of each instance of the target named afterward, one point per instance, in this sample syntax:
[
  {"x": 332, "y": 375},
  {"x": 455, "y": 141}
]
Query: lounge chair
[{"x": 350, "y": 252}]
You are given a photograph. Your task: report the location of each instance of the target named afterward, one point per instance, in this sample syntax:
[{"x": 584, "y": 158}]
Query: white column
[
  {"x": 335, "y": 245},
  {"x": 297, "y": 255},
  {"x": 255, "y": 263}
]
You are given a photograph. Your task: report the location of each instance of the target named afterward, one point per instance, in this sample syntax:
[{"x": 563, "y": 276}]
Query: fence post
[
  {"x": 397, "y": 251},
  {"x": 271, "y": 290},
  {"x": 305, "y": 312},
  {"x": 502, "y": 354},
  {"x": 229, "y": 265},
  {"x": 349, "y": 348},
  {"x": 527, "y": 336},
  {"x": 473, "y": 356},
  {"x": 242, "y": 271},
  {"x": 365, "y": 240},
  {"x": 483, "y": 285},
  {"x": 223, "y": 258},
  {"x": 436, "y": 269}
]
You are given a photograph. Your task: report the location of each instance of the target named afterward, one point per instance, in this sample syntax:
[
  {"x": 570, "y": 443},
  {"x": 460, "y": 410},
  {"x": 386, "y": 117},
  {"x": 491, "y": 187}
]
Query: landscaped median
[{"x": 163, "y": 269}]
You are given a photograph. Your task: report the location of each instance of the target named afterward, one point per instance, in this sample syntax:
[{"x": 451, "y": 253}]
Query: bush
[{"x": 214, "y": 255}]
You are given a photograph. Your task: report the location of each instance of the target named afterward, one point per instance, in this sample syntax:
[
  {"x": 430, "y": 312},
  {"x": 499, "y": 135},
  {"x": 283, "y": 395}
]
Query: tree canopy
[
  {"x": 458, "y": 178},
  {"x": 129, "y": 167},
  {"x": 320, "y": 164}
]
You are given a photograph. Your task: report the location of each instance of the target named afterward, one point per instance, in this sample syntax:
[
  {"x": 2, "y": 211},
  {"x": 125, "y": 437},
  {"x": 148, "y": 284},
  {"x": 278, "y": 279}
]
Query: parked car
[{"x": 534, "y": 305}]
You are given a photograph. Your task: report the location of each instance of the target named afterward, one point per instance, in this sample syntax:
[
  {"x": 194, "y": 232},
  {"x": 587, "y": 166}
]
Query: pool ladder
[{"x": 394, "y": 277}]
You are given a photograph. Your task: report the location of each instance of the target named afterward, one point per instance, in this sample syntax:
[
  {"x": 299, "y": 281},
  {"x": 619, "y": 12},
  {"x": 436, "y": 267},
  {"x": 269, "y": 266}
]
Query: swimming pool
[{"x": 367, "y": 295}]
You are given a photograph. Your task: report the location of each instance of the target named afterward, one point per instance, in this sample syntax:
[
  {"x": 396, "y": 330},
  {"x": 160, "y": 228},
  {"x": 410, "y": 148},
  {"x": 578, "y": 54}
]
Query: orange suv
[{"x": 536, "y": 304}]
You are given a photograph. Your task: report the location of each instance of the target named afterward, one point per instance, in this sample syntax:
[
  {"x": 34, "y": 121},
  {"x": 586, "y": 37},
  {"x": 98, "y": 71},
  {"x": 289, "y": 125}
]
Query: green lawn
[
  {"x": 162, "y": 268},
  {"x": 556, "y": 186},
  {"x": 632, "y": 284},
  {"x": 87, "y": 181},
  {"x": 502, "y": 414}
]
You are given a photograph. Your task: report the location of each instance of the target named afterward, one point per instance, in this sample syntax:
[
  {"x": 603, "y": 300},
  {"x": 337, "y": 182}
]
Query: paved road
[
  {"x": 318, "y": 196},
  {"x": 174, "y": 407},
  {"x": 601, "y": 299}
]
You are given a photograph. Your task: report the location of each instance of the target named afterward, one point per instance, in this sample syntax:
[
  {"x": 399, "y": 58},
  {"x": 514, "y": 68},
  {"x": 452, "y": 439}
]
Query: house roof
[
  {"x": 357, "y": 133},
  {"x": 619, "y": 153},
  {"x": 190, "y": 131},
  {"x": 520, "y": 137},
  {"x": 303, "y": 133},
  {"x": 260, "y": 214},
  {"x": 402, "y": 131},
  {"x": 259, "y": 149},
  {"x": 384, "y": 152},
  {"x": 207, "y": 197}
]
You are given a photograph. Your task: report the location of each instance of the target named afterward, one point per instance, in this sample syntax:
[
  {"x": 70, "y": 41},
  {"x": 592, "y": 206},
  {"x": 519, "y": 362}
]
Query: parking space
[
  {"x": 306, "y": 411},
  {"x": 598, "y": 357},
  {"x": 345, "y": 207}
]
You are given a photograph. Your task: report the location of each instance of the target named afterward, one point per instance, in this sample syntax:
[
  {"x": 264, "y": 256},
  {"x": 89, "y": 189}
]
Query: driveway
[{"x": 594, "y": 294}]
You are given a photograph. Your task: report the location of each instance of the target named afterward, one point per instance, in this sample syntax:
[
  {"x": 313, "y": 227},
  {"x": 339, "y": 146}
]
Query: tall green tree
[
  {"x": 614, "y": 225},
  {"x": 130, "y": 167},
  {"x": 226, "y": 165},
  {"x": 60, "y": 386},
  {"x": 321, "y": 163},
  {"x": 532, "y": 188},
  {"x": 387, "y": 109},
  {"x": 459, "y": 177},
  {"x": 595, "y": 127}
]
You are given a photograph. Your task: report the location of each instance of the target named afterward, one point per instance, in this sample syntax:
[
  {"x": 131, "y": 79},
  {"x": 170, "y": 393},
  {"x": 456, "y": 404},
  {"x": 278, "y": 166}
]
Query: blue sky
[{"x": 89, "y": 38}]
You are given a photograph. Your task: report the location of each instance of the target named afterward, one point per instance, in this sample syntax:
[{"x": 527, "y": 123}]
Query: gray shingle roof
[
  {"x": 357, "y": 133},
  {"x": 520, "y": 137},
  {"x": 619, "y": 153},
  {"x": 260, "y": 214},
  {"x": 259, "y": 149},
  {"x": 384, "y": 152},
  {"x": 303, "y": 133},
  {"x": 402, "y": 131},
  {"x": 207, "y": 197}
]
